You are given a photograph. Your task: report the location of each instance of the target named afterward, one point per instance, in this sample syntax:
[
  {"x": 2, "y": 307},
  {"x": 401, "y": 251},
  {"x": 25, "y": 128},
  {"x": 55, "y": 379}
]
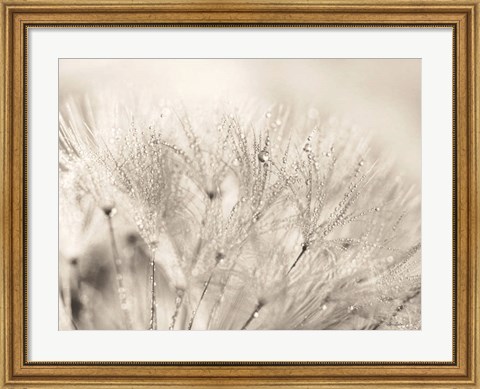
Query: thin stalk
[
  {"x": 68, "y": 308},
  {"x": 217, "y": 303},
  {"x": 304, "y": 249},
  {"x": 153, "y": 297},
  {"x": 253, "y": 315},
  {"x": 73, "y": 323},
  {"x": 178, "y": 304},
  {"x": 66, "y": 293},
  {"x": 194, "y": 313},
  {"x": 117, "y": 263},
  {"x": 196, "y": 252}
]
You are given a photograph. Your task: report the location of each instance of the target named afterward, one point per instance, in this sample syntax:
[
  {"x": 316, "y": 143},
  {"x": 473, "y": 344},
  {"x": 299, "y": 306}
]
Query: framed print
[{"x": 239, "y": 194}]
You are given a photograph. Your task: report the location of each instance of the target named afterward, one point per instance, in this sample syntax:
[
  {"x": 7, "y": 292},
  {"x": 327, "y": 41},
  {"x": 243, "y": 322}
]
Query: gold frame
[{"x": 462, "y": 16}]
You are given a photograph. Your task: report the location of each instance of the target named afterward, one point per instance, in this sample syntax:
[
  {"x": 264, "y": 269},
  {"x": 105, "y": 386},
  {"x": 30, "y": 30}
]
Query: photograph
[{"x": 239, "y": 194}]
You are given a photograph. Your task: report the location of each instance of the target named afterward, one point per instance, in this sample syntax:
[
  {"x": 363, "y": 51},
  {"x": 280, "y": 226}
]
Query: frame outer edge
[
  {"x": 245, "y": 5},
  {"x": 3, "y": 208},
  {"x": 471, "y": 122},
  {"x": 6, "y": 92},
  {"x": 6, "y": 181},
  {"x": 475, "y": 103}
]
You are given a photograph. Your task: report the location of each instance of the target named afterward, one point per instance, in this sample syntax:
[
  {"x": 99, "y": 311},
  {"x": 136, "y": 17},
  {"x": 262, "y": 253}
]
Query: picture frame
[{"x": 18, "y": 16}]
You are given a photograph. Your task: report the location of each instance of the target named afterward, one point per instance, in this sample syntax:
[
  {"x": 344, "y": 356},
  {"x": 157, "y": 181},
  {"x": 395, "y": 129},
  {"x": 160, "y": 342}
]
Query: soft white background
[
  {"x": 381, "y": 95},
  {"x": 432, "y": 343}
]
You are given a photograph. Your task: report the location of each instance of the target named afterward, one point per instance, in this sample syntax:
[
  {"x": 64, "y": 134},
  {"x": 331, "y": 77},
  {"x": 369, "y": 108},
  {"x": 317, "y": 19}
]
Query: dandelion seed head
[{"x": 243, "y": 208}]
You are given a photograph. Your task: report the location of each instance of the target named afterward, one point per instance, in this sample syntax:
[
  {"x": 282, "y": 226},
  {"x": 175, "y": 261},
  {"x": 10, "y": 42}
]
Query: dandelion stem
[
  {"x": 178, "y": 304},
  {"x": 122, "y": 294},
  {"x": 304, "y": 249},
  {"x": 197, "y": 251},
  {"x": 194, "y": 313},
  {"x": 254, "y": 315},
  {"x": 153, "y": 299},
  {"x": 68, "y": 308},
  {"x": 218, "y": 302}
]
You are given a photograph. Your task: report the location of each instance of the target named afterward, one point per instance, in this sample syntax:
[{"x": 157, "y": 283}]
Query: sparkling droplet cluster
[{"x": 244, "y": 222}]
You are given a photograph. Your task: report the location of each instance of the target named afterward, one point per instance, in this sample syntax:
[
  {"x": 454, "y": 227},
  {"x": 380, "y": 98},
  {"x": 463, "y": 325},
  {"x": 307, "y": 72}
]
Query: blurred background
[{"x": 378, "y": 95}]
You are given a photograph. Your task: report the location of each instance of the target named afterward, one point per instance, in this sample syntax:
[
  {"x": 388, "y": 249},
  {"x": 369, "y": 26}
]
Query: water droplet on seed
[{"x": 263, "y": 156}]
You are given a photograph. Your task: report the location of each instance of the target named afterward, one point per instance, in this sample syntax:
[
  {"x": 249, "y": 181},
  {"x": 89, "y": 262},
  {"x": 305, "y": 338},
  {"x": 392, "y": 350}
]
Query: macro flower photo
[{"x": 239, "y": 194}]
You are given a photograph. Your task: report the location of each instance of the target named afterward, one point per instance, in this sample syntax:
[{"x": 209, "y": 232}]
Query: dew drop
[
  {"x": 307, "y": 148},
  {"x": 263, "y": 156}
]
